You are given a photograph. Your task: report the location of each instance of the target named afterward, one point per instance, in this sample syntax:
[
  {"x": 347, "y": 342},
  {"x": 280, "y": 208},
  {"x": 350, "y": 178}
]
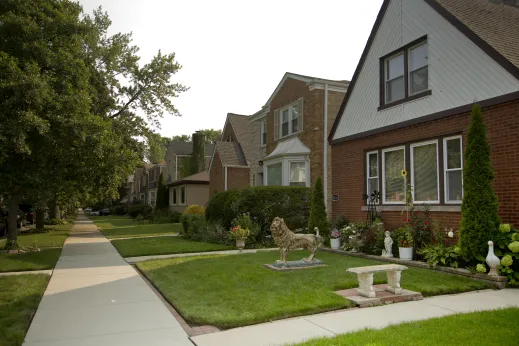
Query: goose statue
[{"x": 492, "y": 260}]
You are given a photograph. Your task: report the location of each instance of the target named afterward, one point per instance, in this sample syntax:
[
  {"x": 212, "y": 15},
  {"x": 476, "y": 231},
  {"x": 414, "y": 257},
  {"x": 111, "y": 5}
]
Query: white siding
[{"x": 459, "y": 71}]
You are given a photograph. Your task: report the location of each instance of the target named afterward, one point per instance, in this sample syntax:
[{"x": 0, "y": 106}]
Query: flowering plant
[
  {"x": 406, "y": 237},
  {"x": 335, "y": 234},
  {"x": 481, "y": 268},
  {"x": 239, "y": 233}
]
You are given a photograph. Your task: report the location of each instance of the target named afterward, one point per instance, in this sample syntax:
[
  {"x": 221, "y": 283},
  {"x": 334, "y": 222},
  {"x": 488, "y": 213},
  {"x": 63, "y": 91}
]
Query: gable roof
[
  {"x": 240, "y": 125},
  {"x": 478, "y": 20},
  {"x": 230, "y": 153},
  {"x": 186, "y": 148},
  {"x": 198, "y": 178}
]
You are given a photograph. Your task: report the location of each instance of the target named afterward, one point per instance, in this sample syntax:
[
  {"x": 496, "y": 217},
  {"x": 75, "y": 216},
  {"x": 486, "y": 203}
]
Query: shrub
[
  {"x": 479, "y": 210},
  {"x": 119, "y": 210},
  {"x": 187, "y": 220},
  {"x": 195, "y": 209},
  {"x": 422, "y": 226},
  {"x": 174, "y": 216},
  {"x": 440, "y": 254},
  {"x": 57, "y": 222},
  {"x": 318, "y": 217},
  {"x": 506, "y": 247},
  {"x": 219, "y": 208},
  {"x": 139, "y": 209}
]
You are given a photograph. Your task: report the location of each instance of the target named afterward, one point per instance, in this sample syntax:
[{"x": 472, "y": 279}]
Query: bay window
[
  {"x": 453, "y": 163},
  {"x": 275, "y": 174},
  {"x": 372, "y": 172},
  {"x": 424, "y": 172},
  {"x": 297, "y": 174},
  {"x": 393, "y": 184}
]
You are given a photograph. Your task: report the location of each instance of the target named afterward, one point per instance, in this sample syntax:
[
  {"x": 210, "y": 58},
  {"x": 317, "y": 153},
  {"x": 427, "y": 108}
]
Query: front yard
[
  {"x": 114, "y": 227},
  {"x": 497, "y": 327},
  {"x": 19, "y": 299},
  {"x": 232, "y": 291}
]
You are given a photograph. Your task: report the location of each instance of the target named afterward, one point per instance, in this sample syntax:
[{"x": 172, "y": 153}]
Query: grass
[
  {"x": 19, "y": 298},
  {"x": 55, "y": 237},
  {"x": 45, "y": 259},
  {"x": 114, "y": 227},
  {"x": 232, "y": 291},
  {"x": 498, "y": 327},
  {"x": 163, "y": 246}
]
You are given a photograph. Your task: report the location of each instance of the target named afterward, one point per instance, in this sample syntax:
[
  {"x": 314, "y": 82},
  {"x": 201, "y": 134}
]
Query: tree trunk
[
  {"x": 54, "y": 210},
  {"x": 12, "y": 233},
  {"x": 40, "y": 219}
]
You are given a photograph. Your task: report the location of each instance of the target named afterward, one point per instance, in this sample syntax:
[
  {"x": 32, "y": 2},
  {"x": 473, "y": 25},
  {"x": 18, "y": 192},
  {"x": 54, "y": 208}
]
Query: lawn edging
[
  {"x": 496, "y": 281},
  {"x": 136, "y": 259}
]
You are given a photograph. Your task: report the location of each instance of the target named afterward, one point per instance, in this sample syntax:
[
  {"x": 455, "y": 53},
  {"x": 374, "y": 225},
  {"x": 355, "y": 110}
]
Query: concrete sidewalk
[
  {"x": 300, "y": 329},
  {"x": 95, "y": 297}
]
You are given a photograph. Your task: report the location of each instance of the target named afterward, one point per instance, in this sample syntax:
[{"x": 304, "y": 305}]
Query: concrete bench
[{"x": 365, "y": 276}]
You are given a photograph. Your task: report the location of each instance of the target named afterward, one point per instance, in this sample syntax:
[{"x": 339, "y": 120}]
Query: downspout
[
  {"x": 325, "y": 147},
  {"x": 225, "y": 177}
]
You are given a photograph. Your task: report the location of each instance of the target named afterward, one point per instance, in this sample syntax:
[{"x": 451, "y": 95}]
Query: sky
[{"x": 234, "y": 52}]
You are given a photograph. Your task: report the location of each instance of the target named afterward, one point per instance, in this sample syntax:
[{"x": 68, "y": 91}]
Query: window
[
  {"x": 284, "y": 122},
  {"x": 453, "y": 163},
  {"x": 404, "y": 74},
  {"x": 264, "y": 132},
  {"x": 183, "y": 195},
  {"x": 275, "y": 174},
  {"x": 295, "y": 118},
  {"x": 174, "y": 196},
  {"x": 372, "y": 172},
  {"x": 393, "y": 184},
  {"x": 289, "y": 120},
  {"x": 297, "y": 174},
  {"x": 424, "y": 172},
  {"x": 228, "y": 139}
]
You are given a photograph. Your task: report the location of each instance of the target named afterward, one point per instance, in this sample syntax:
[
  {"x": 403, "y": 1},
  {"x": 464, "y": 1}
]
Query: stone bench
[{"x": 365, "y": 276}]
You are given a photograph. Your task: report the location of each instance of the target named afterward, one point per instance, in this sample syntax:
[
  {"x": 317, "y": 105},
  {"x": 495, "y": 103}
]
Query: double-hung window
[
  {"x": 372, "y": 172},
  {"x": 453, "y": 163},
  {"x": 405, "y": 74},
  {"x": 288, "y": 120},
  {"x": 424, "y": 172},
  {"x": 275, "y": 174},
  {"x": 285, "y": 122},
  {"x": 183, "y": 195},
  {"x": 393, "y": 162},
  {"x": 264, "y": 132}
]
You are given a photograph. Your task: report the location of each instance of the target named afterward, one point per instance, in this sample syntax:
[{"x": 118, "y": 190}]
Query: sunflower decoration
[{"x": 404, "y": 173}]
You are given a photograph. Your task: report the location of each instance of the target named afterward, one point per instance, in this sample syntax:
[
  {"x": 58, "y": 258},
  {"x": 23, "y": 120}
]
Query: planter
[
  {"x": 335, "y": 244},
  {"x": 240, "y": 244},
  {"x": 406, "y": 253}
]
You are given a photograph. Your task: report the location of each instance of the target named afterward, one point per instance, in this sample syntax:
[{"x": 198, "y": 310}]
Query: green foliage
[
  {"x": 119, "y": 210},
  {"x": 195, "y": 209},
  {"x": 162, "y": 195},
  {"x": 245, "y": 221},
  {"x": 211, "y": 135},
  {"x": 181, "y": 138},
  {"x": 440, "y": 254},
  {"x": 479, "y": 211},
  {"x": 404, "y": 236},
  {"x": 339, "y": 222},
  {"x": 422, "y": 225},
  {"x": 135, "y": 210},
  {"x": 318, "y": 217},
  {"x": 198, "y": 156},
  {"x": 156, "y": 147},
  {"x": 188, "y": 222},
  {"x": 174, "y": 216},
  {"x": 219, "y": 208},
  {"x": 481, "y": 268},
  {"x": 507, "y": 248},
  {"x": 57, "y": 222},
  {"x": 239, "y": 233}
]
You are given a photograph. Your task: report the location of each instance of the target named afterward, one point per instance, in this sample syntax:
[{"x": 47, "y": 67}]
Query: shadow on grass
[{"x": 41, "y": 260}]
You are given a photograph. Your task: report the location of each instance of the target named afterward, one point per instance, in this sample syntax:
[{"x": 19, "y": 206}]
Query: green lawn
[
  {"x": 163, "y": 246},
  {"x": 497, "y": 327},
  {"x": 45, "y": 259},
  {"x": 55, "y": 237},
  {"x": 19, "y": 298},
  {"x": 231, "y": 291},
  {"x": 114, "y": 227}
]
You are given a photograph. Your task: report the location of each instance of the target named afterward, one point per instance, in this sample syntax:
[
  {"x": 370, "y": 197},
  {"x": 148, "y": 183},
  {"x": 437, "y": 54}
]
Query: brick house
[
  {"x": 408, "y": 107},
  {"x": 152, "y": 178},
  {"x": 285, "y": 142}
]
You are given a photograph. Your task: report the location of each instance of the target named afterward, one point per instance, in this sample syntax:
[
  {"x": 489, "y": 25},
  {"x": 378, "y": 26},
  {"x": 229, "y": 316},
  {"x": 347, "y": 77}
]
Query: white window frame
[
  {"x": 445, "y": 169},
  {"x": 423, "y": 43},
  {"x": 384, "y": 151},
  {"x": 367, "y": 171},
  {"x": 386, "y": 76},
  {"x": 290, "y": 118},
  {"x": 263, "y": 133},
  {"x": 266, "y": 172},
  {"x": 421, "y": 144},
  {"x": 290, "y": 162}
]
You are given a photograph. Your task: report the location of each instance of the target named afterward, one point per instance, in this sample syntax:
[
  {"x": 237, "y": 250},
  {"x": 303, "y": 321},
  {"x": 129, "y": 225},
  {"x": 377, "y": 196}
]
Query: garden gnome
[{"x": 388, "y": 246}]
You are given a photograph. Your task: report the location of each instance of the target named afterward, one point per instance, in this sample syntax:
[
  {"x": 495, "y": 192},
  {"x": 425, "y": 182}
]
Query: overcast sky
[{"x": 235, "y": 52}]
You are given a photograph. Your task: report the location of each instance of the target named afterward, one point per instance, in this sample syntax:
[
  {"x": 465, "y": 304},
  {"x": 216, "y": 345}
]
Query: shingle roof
[
  {"x": 231, "y": 154},
  {"x": 492, "y": 20},
  {"x": 186, "y": 148},
  {"x": 198, "y": 178},
  {"x": 240, "y": 125}
]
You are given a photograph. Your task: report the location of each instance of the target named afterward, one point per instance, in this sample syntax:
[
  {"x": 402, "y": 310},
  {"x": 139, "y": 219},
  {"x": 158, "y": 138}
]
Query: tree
[
  {"x": 211, "y": 135},
  {"x": 318, "y": 217},
  {"x": 479, "y": 211},
  {"x": 198, "y": 156},
  {"x": 162, "y": 194},
  {"x": 156, "y": 147},
  {"x": 181, "y": 138}
]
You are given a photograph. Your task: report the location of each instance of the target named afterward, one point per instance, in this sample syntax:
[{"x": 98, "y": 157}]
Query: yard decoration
[
  {"x": 479, "y": 211},
  {"x": 335, "y": 239},
  {"x": 492, "y": 260},
  {"x": 285, "y": 239},
  {"x": 388, "y": 245},
  {"x": 240, "y": 234}
]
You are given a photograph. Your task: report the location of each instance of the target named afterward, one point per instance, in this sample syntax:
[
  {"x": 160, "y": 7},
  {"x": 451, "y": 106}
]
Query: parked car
[
  {"x": 87, "y": 210},
  {"x": 95, "y": 213},
  {"x": 30, "y": 217},
  {"x": 105, "y": 212}
]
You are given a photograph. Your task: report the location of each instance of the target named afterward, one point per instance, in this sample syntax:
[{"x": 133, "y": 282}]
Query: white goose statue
[{"x": 492, "y": 260}]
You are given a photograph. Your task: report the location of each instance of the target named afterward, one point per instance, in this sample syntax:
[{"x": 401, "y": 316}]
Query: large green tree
[
  {"x": 73, "y": 103},
  {"x": 162, "y": 194},
  {"x": 479, "y": 211}
]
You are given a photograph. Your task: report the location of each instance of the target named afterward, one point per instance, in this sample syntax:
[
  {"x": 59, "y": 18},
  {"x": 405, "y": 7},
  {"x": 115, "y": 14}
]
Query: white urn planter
[
  {"x": 405, "y": 253},
  {"x": 335, "y": 244},
  {"x": 240, "y": 244}
]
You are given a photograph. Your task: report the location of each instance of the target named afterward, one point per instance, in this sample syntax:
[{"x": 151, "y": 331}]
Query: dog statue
[{"x": 285, "y": 239}]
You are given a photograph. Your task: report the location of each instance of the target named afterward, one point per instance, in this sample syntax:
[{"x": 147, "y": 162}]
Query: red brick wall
[
  {"x": 238, "y": 178},
  {"x": 348, "y": 160},
  {"x": 216, "y": 176}
]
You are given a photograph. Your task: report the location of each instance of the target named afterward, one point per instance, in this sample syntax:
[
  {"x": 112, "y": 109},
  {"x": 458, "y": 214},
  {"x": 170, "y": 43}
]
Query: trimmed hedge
[
  {"x": 263, "y": 203},
  {"x": 139, "y": 209}
]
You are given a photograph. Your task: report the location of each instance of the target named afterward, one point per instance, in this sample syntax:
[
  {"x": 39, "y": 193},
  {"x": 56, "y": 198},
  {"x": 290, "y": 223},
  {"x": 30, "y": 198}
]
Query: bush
[
  {"x": 174, "y": 216},
  {"x": 56, "y": 222},
  {"x": 119, "y": 210},
  {"x": 139, "y": 209},
  {"x": 479, "y": 211},
  {"x": 219, "y": 208},
  {"x": 195, "y": 209},
  {"x": 318, "y": 217},
  {"x": 440, "y": 254},
  {"x": 188, "y": 219},
  {"x": 506, "y": 247}
]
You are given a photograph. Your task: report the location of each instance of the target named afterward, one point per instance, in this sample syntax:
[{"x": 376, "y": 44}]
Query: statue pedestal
[{"x": 295, "y": 265}]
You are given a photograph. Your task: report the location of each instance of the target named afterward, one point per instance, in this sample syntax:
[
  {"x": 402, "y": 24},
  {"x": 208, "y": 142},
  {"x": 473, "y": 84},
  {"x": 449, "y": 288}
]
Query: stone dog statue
[{"x": 285, "y": 239}]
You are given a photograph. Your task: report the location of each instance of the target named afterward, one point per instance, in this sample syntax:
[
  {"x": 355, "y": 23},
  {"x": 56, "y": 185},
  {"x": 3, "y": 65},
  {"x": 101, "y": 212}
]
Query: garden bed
[{"x": 233, "y": 291}]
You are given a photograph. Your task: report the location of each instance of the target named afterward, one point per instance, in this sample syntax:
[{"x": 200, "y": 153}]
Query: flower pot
[
  {"x": 335, "y": 244},
  {"x": 240, "y": 244},
  {"x": 406, "y": 253}
]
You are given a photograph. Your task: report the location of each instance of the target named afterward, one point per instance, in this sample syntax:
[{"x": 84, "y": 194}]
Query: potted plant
[
  {"x": 240, "y": 234},
  {"x": 405, "y": 243},
  {"x": 335, "y": 241}
]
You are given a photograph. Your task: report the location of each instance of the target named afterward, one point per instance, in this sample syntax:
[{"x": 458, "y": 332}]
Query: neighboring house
[
  {"x": 135, "y": 191},
  {"x": 178, "y": 156},
  {"x": 408, "y": 106},
  {"x": 188, "y": 191},
  {"x": 153, "y": 175},
  {"x": 229, "y": 168}
]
